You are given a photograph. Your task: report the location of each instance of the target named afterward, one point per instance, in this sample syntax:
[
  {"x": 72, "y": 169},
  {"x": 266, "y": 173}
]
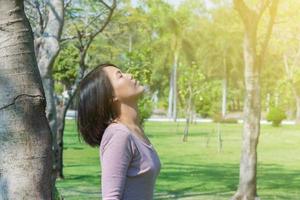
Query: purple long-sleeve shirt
[{"x": 129, "y": 165}]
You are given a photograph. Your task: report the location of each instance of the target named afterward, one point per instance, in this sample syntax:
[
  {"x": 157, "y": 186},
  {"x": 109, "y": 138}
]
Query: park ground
[{"x": 194, "y": 170}]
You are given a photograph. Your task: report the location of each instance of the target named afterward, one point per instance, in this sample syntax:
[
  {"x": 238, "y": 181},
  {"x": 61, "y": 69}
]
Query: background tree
[
  {"x": 85, "y": 21},
  {"x": 47, "y": 20},
  {"x": 253, "y": 58}
]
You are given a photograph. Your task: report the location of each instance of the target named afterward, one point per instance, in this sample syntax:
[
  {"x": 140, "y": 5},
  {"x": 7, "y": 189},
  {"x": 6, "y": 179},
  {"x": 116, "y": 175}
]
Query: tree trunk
[
  {"x": 175, "y": 86},
  {"x": 224, "y": 98},
  {"x": 61, "y": 116},
  {"x": 60, "y": 143},
  {"x": 47, "y": 48},
  {"x": 188, "y": 115},
  {"x": 238, "y": 104},
  {"x": 252, "y": 105},
  {"x": 219, "y": 135},
  {"x": 251, "y": 130},
  {"x": 171, "y": 92},
  {"x": 224, "y": 88},
  {"x": 25, "y": 137},
  {"x": 268, "y": 102}
]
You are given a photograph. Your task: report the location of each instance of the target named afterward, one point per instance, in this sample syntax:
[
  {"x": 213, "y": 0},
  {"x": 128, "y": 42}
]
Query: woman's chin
[{"x": 141, "y": 89}]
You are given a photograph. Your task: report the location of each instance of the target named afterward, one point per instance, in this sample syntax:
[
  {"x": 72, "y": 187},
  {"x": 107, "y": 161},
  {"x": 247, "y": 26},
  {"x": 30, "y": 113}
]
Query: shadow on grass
[
  {"x": 193, "y": 181},
  {"x": 220, "y": 180}
]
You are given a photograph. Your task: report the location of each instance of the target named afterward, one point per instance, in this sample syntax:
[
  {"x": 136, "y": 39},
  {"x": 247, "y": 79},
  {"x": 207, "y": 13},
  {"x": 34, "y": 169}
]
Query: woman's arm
[{"x": 116, "y": 154}]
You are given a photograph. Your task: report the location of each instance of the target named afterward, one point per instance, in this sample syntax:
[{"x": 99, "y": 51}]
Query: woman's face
[{"x": 126, "y": 89}]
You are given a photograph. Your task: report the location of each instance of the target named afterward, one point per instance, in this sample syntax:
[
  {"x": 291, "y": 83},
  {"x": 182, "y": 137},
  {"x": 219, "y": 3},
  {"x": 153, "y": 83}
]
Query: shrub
[
  {"x": 276, "y": 115},
  {"x": 229, "y": 121},
  {"x": 145, "y": 108},
  {"x": 217, "y": 117}
]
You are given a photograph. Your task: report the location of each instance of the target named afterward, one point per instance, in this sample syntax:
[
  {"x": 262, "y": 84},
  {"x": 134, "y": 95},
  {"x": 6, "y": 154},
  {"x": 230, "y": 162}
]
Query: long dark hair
[{"x": 94, "y": 105}]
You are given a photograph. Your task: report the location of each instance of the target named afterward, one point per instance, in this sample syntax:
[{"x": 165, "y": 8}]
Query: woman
[{"x": 108, "y": 116}]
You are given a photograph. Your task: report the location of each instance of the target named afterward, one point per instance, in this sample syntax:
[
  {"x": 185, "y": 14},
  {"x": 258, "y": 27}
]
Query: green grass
[{"x": 195, "y": 169}]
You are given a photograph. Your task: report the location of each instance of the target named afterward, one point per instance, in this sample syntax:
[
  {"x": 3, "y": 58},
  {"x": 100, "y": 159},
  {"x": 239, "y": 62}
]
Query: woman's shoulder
[
  {"x": 116, "y": 128},
  {"x": 115, "y": 131},
  {"x": 116, "y": 134}
]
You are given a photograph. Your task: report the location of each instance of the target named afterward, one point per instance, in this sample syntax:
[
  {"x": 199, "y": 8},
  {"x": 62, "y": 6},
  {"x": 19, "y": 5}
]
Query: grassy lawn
[{"x": 195, "y": 169}]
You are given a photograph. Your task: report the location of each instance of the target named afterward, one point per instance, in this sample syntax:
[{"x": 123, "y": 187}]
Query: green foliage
[
  {"x": 276, "y": 115},
  {"x": 145, "y": 108},
  {"x": 65, "y": 67},
  {"x": 143, "y": 40},
  {"x": 139, "y": 65},
  {"x": 209, "y": 102}
]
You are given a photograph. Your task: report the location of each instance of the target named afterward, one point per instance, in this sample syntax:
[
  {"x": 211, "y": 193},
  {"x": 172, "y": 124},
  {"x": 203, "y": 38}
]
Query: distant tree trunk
[
  {"x": 224, "y": 94},
  {"x": 130, "y": 43},
  {"x": 171, "y": 92},
  {"x": 47, "y": 48},
  {"x": 268, "y": 102},
  {"x": 238, "y": 104},
  {"x": 188, "y": 114},
  {"x": 62, "y": 109},
  {"x": 175, "y": 86},
  {"x": 298, "y": 109},
  {"x": 252, "y": 106},
  {"x": 220, "y": 145},
  {"x": 224, "y": 89},
  {"x": 25, "y": 136}
]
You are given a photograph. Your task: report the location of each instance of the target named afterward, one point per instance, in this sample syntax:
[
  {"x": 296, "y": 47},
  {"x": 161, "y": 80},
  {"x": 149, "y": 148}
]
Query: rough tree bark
[
  {"x": 252, "y": 106},
  {"x": 25, "y": 137}
]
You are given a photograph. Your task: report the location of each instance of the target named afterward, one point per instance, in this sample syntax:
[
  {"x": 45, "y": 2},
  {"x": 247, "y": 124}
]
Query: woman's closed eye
[{"x": 120, "y": 75}]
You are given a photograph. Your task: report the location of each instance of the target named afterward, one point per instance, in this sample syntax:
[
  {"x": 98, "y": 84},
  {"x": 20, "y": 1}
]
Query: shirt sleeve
[{"x": 116, "y": 155}]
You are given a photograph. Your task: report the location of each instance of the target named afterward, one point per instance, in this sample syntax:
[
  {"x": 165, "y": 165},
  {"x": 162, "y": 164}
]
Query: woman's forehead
[{"x": 111, "y": 69}]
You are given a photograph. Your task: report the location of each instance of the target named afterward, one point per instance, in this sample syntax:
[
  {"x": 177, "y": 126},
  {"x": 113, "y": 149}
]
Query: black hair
[{"x": 95, "y": 105}]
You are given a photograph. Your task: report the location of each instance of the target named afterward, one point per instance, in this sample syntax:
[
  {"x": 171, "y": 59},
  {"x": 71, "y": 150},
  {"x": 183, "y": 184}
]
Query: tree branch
[
  {"x": 112, "y": 8},
  {"x": 67, "y": 4},
  {"x": 107, "y": 6},
  {"x": 262, "y": 6},
  {"x": 41, "y": 20},
  {"x": 273, "y": 11},
  {"x": 242, "y": 9}
]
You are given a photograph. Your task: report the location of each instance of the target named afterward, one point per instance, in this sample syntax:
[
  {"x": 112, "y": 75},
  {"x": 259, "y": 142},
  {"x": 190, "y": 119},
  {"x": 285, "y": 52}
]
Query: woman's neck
[{"x": 128, "y": 115}]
